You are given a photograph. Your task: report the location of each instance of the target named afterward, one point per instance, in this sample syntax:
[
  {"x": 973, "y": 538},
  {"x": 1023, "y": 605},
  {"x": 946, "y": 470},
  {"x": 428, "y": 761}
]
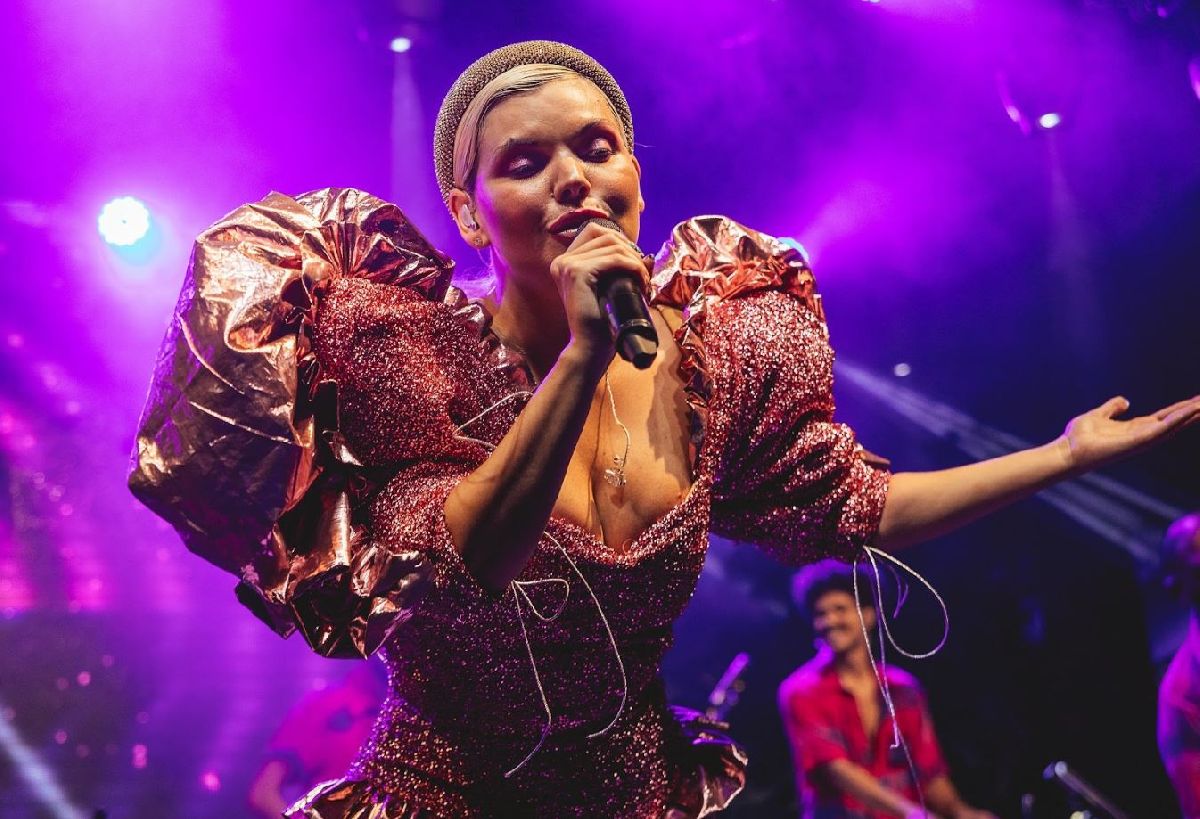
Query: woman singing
[{"x": 513, "y": 516}]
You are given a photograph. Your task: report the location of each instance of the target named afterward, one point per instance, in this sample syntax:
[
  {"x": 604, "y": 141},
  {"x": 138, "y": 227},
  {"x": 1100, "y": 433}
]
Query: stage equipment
[{"x": 1088, "y": 802}]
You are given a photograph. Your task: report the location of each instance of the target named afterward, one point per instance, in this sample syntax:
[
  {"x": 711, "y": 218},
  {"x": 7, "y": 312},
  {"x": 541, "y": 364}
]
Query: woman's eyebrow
[
  {"x": 531, "y": 142},
  {"x": 516, "y": 142}
]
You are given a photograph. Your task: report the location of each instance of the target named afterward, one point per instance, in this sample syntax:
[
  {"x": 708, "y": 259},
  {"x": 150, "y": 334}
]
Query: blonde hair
[{"x": 518, "y": 80}]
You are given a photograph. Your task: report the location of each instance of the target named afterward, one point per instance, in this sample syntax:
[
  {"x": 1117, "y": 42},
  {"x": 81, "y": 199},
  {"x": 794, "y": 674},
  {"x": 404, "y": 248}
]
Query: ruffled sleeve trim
[{"x": 708, "y": 260}]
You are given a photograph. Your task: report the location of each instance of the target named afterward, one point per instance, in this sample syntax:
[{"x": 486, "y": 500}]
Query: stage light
[
  {"x": 1048, "y": 121},
  {"x": 902, "y": 370},
  {"x": 38, "y": 777},
  {"x": 796, "y": 246},
  {"x": 401, "y": 44},
  {"x": 1194, "y": 74},
  {"x": 124, "y": 221}
]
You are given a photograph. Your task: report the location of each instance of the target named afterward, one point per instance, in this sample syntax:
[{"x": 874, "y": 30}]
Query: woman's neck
[{"x": 531, "y": 320}]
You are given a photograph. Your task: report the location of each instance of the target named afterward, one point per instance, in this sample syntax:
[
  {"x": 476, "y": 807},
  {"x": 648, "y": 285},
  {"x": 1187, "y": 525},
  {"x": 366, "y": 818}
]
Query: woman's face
[{"x": 545, "y": 158}]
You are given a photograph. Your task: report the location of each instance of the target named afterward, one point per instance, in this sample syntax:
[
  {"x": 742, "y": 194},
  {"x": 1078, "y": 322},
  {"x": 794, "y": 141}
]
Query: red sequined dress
[{"x": 504, "y": 705}]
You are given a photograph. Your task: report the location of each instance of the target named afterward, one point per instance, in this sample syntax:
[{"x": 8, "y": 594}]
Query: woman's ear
[{"x": 463, "y": 212}]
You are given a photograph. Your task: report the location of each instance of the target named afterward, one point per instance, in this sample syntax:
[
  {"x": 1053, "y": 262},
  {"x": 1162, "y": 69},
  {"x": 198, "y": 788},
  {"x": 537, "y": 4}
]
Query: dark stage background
[{"x": 987, "y": 274}]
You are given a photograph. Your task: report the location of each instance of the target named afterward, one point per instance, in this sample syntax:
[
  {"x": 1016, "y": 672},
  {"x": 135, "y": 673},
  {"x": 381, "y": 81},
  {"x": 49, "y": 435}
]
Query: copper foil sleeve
[
  {"x": 707, "y": 260},
  {"x": 238, "y": 446}
]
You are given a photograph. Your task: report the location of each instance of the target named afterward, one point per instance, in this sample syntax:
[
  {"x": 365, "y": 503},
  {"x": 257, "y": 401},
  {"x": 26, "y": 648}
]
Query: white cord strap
[
  {"x": 519, "y": 593},
  {"x": 885, "y": 637},
  {"x": 486, "y": 444}
]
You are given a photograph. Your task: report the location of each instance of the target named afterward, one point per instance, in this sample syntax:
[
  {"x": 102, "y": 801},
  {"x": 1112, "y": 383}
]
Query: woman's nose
[{"x": 571, "y": 184}]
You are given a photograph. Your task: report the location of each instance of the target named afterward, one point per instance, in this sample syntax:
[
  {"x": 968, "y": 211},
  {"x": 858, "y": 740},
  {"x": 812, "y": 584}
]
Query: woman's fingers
[
  {"x": 1181, "y": 417},
  {"x": 595, "y": 255},
  {"x": 1113, "y": 407},
  {"x": 1164, "y": 423},
  {"x": 610, "y": 259},
  {"x": 1166, "y": 412}
]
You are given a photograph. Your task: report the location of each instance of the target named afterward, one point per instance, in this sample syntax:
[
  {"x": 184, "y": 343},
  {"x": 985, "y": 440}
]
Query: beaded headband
[{"x": 495, "y": 63}]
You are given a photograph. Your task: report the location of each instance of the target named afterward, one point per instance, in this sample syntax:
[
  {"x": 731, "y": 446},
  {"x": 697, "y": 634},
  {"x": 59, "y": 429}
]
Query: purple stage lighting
[
  {"x": 123, "y": 221},
  {"x": 1048, "y": 121}
]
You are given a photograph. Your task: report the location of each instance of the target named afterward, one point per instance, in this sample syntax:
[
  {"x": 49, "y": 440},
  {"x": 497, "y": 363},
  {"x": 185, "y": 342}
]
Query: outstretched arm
[{"x": 923, "y": 505}]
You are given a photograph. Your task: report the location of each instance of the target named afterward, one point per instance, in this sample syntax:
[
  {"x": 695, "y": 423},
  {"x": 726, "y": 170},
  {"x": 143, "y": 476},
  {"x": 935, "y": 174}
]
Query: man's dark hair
[{"x": 817, "y": 579}]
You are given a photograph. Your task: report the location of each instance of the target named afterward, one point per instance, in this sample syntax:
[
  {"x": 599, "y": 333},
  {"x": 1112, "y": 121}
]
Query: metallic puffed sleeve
[
  {"x": 709, "y": 260},
  {"x": 758, "y": 373},
  {"x": 238, "y": 447}
]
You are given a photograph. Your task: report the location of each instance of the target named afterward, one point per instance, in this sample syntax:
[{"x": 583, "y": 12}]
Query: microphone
[{"x": 621, "y": 298}]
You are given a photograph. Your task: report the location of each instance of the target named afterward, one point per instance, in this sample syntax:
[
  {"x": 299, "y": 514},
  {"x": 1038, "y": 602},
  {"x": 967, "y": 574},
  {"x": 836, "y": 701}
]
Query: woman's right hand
[{"x": 597, "y": 252}]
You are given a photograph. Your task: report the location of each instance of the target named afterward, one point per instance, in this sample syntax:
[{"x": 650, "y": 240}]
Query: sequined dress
[{"x": 423, "y": 387}]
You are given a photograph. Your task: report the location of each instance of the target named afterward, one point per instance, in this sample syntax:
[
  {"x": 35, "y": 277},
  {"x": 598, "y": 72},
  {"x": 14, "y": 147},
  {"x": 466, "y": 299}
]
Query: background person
[{"x": 839, "y": 728}]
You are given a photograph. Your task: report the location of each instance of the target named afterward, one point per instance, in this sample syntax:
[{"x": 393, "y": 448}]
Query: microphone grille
[
  {"x": 607, "y": 223},
  {"x": 602, "y": 222}
]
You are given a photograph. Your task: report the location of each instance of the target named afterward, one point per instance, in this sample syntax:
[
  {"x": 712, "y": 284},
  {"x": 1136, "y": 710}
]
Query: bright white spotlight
[
  {"x": 401, "y": 44},
  {"x": 123, "y": 221},
  {"x": 796, "y": 246},
  {"x": 1048, "y": 121},
  {"x": 902, "y": 370}
]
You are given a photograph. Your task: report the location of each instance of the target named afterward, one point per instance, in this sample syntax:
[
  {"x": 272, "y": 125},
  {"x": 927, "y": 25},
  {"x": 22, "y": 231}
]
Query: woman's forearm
[
  {"x": 922, "y": 505},
  {"x": 497, "y": 513}
]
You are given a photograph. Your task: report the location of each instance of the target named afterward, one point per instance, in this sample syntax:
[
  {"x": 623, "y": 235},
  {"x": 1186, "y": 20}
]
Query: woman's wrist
[
  {"x": 589, "y": 360},
  {"x": 1066, "y": 462}
]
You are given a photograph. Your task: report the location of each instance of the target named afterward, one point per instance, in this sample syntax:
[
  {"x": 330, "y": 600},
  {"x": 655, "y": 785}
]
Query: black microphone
[{"x": 621, "y": 298}]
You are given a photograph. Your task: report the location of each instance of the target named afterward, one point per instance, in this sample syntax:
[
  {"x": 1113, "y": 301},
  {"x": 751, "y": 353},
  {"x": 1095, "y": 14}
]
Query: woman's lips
[
  {"x": 573, "y": 219},
  {"x": 565, "y": 236}
]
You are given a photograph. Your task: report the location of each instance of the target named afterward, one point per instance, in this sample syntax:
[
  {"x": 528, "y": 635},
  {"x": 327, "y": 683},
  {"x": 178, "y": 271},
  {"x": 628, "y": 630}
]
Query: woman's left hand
[{"x": 1098, "y": 437}]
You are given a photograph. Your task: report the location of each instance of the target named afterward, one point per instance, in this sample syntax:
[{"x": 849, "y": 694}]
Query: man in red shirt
[{"x": 841, "y": 733}]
